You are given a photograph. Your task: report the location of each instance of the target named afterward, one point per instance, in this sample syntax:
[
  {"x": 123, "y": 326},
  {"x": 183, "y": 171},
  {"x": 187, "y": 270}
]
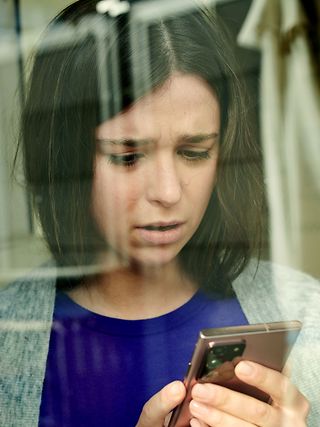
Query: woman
[{"x": 148, "y": 185}]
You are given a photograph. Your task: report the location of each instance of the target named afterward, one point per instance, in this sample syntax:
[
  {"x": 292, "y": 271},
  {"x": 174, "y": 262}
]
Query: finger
[
  {"x": 214, "y": 417},
  {"x": 274, "y": 383},
  {"x": 237, "y": 405},
  {"x": 157, "y": 408},
  {"x": 194, "y": 422}
]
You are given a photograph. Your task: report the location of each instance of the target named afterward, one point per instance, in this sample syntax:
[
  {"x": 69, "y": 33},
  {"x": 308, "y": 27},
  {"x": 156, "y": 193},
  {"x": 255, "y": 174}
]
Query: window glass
[{"x": 159, "y": 175}]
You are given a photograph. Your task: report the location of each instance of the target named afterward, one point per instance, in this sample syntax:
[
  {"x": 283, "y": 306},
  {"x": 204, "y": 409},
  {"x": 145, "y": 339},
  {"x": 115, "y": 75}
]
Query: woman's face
[{"x": 155, "y": 170}]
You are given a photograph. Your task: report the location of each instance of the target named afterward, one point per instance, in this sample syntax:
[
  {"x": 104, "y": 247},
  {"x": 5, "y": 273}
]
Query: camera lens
[{"x": 212, "y": 361}]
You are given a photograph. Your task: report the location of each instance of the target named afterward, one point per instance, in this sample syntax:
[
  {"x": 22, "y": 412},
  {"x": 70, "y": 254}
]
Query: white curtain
[{"x": 290, "y": 124}]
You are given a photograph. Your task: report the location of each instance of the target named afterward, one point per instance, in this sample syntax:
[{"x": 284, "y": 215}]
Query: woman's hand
[
  {"x": 217, "y": 406},
  {"x": 161, "y": 404}
]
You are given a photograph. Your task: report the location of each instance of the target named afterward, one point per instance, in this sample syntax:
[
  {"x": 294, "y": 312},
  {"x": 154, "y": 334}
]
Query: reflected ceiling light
[{"x": 113, "y": 7}]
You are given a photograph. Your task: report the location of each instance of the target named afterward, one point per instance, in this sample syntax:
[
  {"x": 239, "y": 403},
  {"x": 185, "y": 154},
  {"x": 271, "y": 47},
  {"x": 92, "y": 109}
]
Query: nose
[{"x": 164, "y": 185}]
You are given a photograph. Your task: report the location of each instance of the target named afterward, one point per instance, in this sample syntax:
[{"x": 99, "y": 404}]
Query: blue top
[{"x": 100, "y": 370}]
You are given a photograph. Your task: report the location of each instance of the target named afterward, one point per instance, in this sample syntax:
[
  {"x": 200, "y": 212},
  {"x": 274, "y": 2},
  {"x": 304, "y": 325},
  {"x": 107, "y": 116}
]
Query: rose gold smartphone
[{"x": 219, "y": 350}]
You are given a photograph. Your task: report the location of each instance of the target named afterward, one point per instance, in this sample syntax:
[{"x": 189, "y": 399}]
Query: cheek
[
  {"x": 114, "y": 198},
  {"x": 207, "y": 180},
  {"x": 204, "y": 187}
]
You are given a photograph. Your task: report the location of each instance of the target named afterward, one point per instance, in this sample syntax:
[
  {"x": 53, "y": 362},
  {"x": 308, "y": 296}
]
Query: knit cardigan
[{"x": 266, "y": 292}]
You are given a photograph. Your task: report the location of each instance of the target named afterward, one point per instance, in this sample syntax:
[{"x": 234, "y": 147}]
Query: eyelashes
[
  {"x": 192, "y": 156},
  {"x": 129, "y": 160}
]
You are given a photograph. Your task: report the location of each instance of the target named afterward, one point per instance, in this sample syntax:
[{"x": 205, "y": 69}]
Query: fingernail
[
  {"x": 245, "y": 368},
  {"x": 194, "y": 423},
  {"x": 200, "y": 391},
  {"x": 197, "y": 408}
]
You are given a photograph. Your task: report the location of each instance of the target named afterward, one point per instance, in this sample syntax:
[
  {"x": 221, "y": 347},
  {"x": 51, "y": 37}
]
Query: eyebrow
[
  {"x": 195, "y": 139},
  {"x": 132, "y": 143},
  {"x": 127, "y": 142}
]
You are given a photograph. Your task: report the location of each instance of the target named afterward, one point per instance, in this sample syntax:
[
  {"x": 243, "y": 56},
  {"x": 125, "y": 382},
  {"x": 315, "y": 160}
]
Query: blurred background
[{"x": 279, "y": 57}]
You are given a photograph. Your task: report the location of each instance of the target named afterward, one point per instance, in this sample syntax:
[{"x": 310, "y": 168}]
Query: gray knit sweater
[{"x": 269, "y": 293}]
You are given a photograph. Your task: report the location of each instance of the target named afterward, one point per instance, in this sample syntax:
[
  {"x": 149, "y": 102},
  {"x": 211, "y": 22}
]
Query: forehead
[{"x": 184, "y": 103}]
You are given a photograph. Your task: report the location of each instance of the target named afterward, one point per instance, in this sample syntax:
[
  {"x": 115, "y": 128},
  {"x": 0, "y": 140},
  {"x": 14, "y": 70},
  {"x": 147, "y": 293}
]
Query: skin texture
[{"x": 165, "y": 184}]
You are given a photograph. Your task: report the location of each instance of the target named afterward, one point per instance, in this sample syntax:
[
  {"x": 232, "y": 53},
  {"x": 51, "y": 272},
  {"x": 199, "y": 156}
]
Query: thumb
[{"x": 158, "y": 407}]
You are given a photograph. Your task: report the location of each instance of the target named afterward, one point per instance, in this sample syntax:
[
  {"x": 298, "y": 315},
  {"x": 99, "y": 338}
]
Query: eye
[
  {"x": 191, "y": 155},
  {"x": 127, "y": 160}
]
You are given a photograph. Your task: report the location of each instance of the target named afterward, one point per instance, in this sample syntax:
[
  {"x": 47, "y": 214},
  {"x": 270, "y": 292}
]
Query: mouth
[
  {"x": 161, "y": 233},
  {"x": 160, "y": 227}
]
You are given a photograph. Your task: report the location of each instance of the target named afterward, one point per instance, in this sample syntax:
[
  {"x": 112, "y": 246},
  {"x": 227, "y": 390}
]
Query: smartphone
[{"x": 219, "y": 350}]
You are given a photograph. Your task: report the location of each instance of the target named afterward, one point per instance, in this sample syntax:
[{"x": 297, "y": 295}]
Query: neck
[{"x": 133, "y": 293}]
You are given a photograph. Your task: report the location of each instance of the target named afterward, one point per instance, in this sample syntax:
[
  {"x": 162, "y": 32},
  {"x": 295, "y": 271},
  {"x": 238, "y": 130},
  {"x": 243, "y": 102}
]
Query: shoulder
[
  {"x": 271, "y": 290},
  {"x": 30, "y": 297},
  {"x": 266, "y": 274}
]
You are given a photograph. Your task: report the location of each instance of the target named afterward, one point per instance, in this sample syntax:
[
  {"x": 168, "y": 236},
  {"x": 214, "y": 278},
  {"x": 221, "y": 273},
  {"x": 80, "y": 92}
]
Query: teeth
[{"x": 160, "y": 228}]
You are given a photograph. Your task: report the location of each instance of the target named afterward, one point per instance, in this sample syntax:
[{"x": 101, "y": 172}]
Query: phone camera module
[{"x": 221, "y": 360}]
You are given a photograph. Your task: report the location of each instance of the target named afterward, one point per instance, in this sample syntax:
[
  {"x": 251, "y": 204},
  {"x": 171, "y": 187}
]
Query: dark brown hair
[{"x": 64, "y": 106}]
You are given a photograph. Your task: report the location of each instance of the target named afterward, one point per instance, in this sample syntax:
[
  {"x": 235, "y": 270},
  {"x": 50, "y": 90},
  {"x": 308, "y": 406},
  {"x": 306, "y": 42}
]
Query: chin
[{"x": 154, "y": 259}]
